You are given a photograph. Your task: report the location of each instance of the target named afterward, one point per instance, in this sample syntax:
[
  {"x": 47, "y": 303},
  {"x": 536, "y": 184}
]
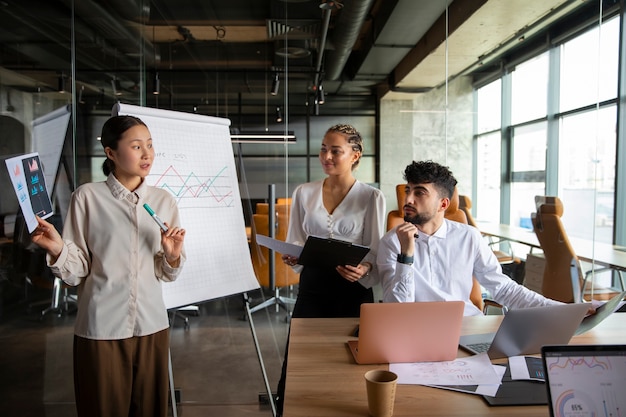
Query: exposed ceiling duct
[{"x": 345, "y": 34}]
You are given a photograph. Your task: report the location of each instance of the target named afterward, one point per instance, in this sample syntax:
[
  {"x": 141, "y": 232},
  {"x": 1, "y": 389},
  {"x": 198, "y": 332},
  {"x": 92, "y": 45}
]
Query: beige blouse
[{"x": 113, "y": 254}]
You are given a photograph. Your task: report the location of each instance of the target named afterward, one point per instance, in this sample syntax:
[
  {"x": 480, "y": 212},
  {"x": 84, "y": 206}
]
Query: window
[
  {"x": 529, "y": 91},
  {"x": 589, "y": 65},
  {"x": 488, "y": 168},
  {"x": 587, "y": 173},
  {"x": 528, "y": 171},
  {"x": 489, "y": 106}
]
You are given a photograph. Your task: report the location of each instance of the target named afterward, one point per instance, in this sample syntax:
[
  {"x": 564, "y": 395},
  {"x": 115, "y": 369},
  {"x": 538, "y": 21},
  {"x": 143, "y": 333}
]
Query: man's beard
[{"x": 419, "y": 219}]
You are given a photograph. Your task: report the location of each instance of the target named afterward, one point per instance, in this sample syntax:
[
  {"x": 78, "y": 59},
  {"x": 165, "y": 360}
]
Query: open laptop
[
  {"x": 585, "y": 380},
  {"x": 523, "y": 331},
  {"x": 408, "y": 332}
]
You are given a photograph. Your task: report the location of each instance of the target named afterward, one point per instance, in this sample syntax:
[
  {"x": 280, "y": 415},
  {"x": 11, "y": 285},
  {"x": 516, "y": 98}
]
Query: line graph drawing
[
  {"x": 572, "y": 362},
  {"x": 216, "y": 188}
]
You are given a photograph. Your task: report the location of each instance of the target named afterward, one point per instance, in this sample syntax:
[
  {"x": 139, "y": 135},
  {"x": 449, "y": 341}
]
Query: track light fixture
[
  {"x": 275, "y": 85},
  {"x": 279, "y": 115},
  {"x": 116, "y": 87},
  {"x": 156, "y": 85},
  {"x": 320, "y": 95},
  {"x": 61, "y": 84},
  {"x": 80, "y": 94}
]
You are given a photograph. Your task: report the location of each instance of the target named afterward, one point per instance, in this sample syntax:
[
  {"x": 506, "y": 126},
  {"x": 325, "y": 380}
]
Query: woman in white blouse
[
  {"x": 117, "y": 255},
  {"x": 343, "y": 208},
  {"x": 338, "y": 207}
]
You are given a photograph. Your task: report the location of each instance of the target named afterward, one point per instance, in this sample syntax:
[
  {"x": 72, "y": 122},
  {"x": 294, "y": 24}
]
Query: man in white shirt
[{"x": 430, "y": 258}]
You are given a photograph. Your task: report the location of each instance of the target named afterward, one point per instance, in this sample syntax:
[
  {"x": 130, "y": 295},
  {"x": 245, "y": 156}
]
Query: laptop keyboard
[{"x": 480, "y": 347}]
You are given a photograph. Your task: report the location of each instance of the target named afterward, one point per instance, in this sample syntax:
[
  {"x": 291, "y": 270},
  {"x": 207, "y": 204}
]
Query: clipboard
[{"x": 320, "y": 251}]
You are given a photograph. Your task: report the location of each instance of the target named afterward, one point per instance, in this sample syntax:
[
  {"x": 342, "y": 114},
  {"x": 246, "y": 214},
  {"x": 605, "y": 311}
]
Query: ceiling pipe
[
  {"x": 318, "y": 66},
  {"x": 114, "y": 24},
  {"x": 88, "y": 61},
  {"x": 345, "y": 34},
  {"x": 133, "y": 10}
]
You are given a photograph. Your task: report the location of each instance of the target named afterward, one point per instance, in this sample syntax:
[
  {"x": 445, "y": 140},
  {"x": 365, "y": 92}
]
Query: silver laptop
[
  {"x": 524, "y": 331},
  {"x": 585, "y": 380}
]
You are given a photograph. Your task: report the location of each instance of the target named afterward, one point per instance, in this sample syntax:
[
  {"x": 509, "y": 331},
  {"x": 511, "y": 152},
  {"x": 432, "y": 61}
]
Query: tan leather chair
[
  {"x": 284, "y": 275},
  {"x": 396, "y": 217},
  {"x": 263, "y": 208},
  {"x": 559, "y": 281},
  {"x": 504, "y": 256},
  {"x": 465, "y": 204},
  {"x": 453, "y": 212}
]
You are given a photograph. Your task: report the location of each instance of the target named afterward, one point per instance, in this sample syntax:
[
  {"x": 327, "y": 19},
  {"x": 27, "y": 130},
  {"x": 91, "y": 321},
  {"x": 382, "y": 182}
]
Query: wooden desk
[
  {"x": 601, "y": 253},
  {"x": 323, "y": 379}
]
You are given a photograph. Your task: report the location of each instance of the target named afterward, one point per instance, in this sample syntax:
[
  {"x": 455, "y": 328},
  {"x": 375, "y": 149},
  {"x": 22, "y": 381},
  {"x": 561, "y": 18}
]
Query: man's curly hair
[{"x": 429, "y": 172}]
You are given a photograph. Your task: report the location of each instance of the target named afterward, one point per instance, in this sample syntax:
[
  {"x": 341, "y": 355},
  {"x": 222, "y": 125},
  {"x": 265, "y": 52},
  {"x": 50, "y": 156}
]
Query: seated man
[{"x": 430, "y": 258}]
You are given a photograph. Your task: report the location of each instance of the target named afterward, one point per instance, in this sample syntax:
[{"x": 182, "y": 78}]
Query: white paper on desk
[
  {"x": 471, "y": 370},
  {"x": 526, "y": 368},
  {"x": 279, "y": 246},
  {"x": 485, "y": 389}
]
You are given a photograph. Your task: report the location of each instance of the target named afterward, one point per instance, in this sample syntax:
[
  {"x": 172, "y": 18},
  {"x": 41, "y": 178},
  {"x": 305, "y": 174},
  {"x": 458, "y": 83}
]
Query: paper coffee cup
[{"x": 381, "y": 392}]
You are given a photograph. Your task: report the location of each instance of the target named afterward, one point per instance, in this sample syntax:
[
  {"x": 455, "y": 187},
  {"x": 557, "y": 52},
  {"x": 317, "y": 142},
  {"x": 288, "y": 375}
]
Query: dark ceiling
[{"x": 220, "y": 57}]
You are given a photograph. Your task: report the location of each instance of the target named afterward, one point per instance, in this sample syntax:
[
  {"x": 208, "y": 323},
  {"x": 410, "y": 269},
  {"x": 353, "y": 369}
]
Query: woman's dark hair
[
  {"x": 112, "y": 132},
  {"x": 353, "y": 137},
  {"x": 429, "y": 172}
]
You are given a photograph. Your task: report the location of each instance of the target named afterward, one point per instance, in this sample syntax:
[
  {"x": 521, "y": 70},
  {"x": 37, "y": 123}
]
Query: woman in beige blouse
[{"x": 118, "y": 256}]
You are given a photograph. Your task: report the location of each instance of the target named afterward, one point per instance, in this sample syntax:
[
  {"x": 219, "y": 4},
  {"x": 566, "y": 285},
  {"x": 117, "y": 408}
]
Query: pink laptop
[{"x": 408, "y": 332}]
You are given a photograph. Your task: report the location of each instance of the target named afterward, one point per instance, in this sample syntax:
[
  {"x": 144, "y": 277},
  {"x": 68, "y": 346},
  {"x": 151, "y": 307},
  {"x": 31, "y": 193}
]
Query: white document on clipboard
[{"x": 279, "y": 246}]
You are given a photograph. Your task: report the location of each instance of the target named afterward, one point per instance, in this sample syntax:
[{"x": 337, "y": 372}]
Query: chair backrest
[
  {"x": 283, "y": 200},
  {"x": 284, "y": 275},
  {"x": 263, "y": 208},
  {"x": 465, "y": 204},
  {"x": 396, "y": 217},
  {"x": 557, "y": 249},
  {"x": 455, "y": 214}
]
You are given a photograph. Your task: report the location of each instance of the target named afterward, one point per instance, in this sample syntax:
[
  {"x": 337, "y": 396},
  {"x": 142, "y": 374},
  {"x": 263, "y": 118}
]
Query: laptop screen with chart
[{"x": 585, "y": 381}]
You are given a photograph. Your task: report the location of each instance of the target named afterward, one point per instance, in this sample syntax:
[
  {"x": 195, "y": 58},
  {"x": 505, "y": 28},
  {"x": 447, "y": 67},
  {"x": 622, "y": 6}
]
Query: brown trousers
[{"x": 119, "y": 378}]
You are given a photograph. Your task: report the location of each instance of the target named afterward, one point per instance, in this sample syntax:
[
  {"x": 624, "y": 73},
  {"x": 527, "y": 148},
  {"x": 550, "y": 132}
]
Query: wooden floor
[{"x": 216, "y": 368}]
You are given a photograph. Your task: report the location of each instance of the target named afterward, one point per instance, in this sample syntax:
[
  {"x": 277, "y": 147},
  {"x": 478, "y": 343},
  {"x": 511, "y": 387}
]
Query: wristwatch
[{"x": 403, "y": 259}]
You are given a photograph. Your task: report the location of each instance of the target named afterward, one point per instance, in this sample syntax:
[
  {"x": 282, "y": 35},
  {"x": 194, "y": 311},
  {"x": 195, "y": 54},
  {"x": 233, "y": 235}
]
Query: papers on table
[
  {"x": 483, "y": 389},
  {"x": 526, "y": 368},
  {"x": 471, "y": 370}
]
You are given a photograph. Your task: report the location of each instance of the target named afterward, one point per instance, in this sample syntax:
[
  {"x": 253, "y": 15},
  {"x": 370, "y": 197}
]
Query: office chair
[
  {"x": 563, "y": 277},
  {"x": 504, "y": 256},
  {"x": 396, "y": 217},
  {"x": 284, "y": 275}
]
